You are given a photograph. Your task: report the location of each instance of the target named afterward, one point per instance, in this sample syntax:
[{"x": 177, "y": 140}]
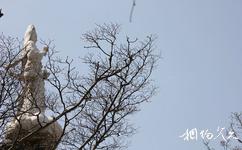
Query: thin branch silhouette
[{"x": 132, "y": 11}]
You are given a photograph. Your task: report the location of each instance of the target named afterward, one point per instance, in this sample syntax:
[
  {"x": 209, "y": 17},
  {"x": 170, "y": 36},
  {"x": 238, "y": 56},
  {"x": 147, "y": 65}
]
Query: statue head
[{"x": 30, "y": 35}]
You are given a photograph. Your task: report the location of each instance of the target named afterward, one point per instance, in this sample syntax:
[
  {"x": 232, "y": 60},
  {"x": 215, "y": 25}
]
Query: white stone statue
[
  {"x": 32, "y": 105},
  {"x": 33, "y": 75}
]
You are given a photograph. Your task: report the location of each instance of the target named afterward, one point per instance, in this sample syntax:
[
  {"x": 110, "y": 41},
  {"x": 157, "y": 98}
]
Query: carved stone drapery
[{"x": 31, "y": 112}]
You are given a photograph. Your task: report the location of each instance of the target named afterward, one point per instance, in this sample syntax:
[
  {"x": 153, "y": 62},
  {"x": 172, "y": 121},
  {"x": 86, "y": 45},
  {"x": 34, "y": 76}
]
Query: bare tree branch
[
  {"x": 132, "y": 11},
  {"x": 92, "y": 109}
]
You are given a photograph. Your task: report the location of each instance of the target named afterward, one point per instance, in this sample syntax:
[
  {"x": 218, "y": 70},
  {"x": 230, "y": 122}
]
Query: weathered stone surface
[{"x": 31, "y": 115}]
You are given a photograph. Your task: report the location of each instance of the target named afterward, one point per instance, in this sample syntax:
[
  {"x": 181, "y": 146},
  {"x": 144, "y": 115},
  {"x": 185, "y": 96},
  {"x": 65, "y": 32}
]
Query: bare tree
[
  {"x": 236, "y": 129},
  {"x": 93, "y": 109}
]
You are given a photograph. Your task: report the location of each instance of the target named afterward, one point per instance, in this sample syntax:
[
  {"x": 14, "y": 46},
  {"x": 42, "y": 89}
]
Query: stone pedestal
[
  {"x": 45, "y": 139},
  {"x": 39, "y": 141}
]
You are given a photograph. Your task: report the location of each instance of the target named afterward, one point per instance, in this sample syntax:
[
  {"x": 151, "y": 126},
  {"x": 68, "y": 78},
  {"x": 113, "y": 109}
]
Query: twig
[{"x": 132, "y": 11}]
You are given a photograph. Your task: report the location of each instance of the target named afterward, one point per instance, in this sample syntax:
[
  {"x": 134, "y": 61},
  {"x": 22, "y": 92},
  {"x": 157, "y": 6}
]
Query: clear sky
[{"x": 199, "y": 76}]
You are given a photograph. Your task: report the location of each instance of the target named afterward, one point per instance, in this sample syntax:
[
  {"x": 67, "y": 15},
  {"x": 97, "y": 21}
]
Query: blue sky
[{"x": 199, "y": 75}]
